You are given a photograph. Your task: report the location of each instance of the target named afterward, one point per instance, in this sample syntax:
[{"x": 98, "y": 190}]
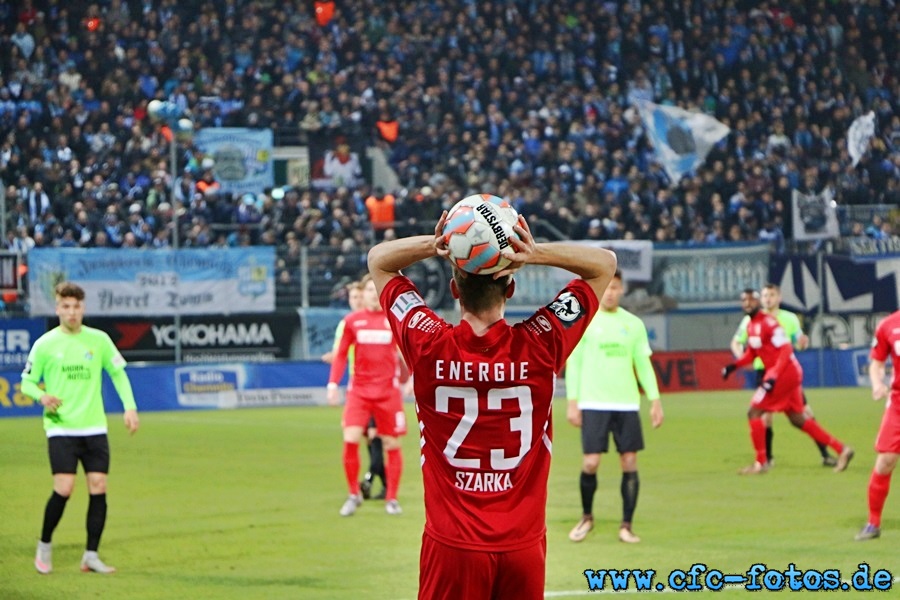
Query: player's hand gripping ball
[{"x": 477, "y": 233}]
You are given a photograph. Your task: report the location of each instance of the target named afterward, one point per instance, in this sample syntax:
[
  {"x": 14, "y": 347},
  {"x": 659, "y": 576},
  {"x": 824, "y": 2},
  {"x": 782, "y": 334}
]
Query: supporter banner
[
  {"x": 536, "y": 285},
  {"x": 10, "y": 273},
  {"x": 204, "y": 339},
  {"x": 16, "y": 338},
  {"x": 243, "y": 157},
  {"x": 127, "y": 282},
  {"x": 635, "y": 258},
  {"x": 848, "y": 286},
  {"x": 815, "y": 215},
  {"x": 336, "y": 162},
  {"x": 861, "y": 130},
  {"x": 226, "y": 385},
  {"x": 708, "y": 278},
  {"x": 681, "y": 139},
  {"x": 866, "y": 249}
]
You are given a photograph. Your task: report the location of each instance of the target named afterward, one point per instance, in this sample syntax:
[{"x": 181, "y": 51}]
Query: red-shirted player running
[
  {"x": 374, "y": 390},
  {"x": 885, "y": 344},
  {"x": 484, "y": 392},
  {"x": 782, "y": 387}
]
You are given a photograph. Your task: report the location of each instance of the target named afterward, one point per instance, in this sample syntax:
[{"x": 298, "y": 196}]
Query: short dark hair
[
  {"x": 480, "y": 292},
  {"x": 67, "y": 289},
  {"x": 750, "y": 292}
]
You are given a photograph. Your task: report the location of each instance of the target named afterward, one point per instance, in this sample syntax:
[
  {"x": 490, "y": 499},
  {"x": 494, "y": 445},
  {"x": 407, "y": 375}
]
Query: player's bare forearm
[
  {"x": 387, "y": 259},
  {"x": 876, "y": 378}
]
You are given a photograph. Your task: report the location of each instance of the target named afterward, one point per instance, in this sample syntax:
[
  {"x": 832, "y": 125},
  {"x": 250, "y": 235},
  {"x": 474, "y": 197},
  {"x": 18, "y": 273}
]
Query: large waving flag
[
  {"x": 861, "y": 130},
  {"x": 680, "y": 138}
]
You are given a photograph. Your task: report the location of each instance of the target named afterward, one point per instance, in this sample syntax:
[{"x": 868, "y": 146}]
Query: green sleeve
[
  {"x": 573, "y": 370},
  {"x": 123, "y": 386},
  {"x": 643, "y": 366},
  {"x": 740, "y": 336},
  {"x": 33, "y": 373},
  {"x": 115, "y": 364},
  {"x": 338, "y": 332},
  {"x": 791, "y": 325}
]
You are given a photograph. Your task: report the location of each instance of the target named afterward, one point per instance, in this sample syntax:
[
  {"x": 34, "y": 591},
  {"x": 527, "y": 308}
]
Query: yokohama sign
[{"x": 252, "y": 338}]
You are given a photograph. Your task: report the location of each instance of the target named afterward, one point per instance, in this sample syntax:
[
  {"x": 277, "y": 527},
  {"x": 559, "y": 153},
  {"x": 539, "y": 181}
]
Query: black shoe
[
  {"x": 365, "y": 486},
  {"x": 829, "y": 461}
]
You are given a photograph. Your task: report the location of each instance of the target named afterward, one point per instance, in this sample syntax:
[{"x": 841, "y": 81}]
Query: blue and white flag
[
  {"x": 861, "y": 130},
  {"x": 681, "y": 139}
]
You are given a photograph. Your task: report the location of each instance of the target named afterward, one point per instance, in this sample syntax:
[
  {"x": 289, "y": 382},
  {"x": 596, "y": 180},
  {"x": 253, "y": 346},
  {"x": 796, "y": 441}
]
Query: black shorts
[
  {"x": 65, "y": 452},
  {"x": 625, "y": 427}
]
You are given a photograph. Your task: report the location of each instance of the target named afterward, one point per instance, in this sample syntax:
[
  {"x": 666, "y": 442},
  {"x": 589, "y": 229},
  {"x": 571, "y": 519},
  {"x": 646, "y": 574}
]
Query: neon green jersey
[
  {"x": 603, "y": 371},
  {"x": 788, "y": 321},
  {"x": 71, "y": 365}
]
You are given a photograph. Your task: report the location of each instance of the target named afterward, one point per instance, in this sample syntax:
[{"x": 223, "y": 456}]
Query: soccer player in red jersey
[
  {"x": 782, "y": 386},
  {"x": 885, "y": 344},
  {"x": 374, "y": 389},
  {"x": 484, "y": 392}
]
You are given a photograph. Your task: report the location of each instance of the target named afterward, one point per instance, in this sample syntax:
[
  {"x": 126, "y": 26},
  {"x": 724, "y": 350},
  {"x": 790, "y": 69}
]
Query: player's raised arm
[{"x": 595, "y": 265}]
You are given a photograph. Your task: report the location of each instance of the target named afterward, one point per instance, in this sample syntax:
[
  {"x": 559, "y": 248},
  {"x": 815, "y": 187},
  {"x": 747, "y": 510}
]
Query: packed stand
[{"x": 528, "y": 99}]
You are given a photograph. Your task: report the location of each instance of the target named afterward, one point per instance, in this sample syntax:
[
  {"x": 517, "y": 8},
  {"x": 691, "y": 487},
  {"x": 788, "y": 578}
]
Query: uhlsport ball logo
[{"x": 477, "y": 233}]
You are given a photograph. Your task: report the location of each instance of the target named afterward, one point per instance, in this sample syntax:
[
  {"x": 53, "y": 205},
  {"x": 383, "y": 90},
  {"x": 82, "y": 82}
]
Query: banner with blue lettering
[
  {"x": 126, "y": 282},
  {"x": 708, "y": 277},
  {"x": 243, "y": 157},
  {"x": 225, "y": 385},
  {"x": 16, "y": 338}
]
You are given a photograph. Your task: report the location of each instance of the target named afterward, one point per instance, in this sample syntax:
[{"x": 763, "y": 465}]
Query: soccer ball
[{"x": 477, "y": 232}]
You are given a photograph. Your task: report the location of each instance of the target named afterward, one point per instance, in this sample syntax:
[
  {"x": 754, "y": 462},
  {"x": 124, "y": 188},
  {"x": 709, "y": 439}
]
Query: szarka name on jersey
[
  {"x": 489, "y": 481},
  {"x": 496, "y": 372}
]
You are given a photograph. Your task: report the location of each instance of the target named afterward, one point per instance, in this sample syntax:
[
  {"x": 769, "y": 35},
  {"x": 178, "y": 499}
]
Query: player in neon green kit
[
  {"x": 770, "y": 300},
  {"x": 604, "y": 398},
  {"x": 70, "y": 359}
]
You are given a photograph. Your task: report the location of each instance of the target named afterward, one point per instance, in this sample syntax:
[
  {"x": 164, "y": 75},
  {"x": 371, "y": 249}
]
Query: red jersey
[
  {"x": 376, "y": 365},
  {"x": 484, "y": 410},
  {"x": 767, "y": 340},
  {"x": 886, "y": 343}
]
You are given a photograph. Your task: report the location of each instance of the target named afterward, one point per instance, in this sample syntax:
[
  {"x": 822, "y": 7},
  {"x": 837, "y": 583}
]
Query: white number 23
[{"x": 469, "y": 397}]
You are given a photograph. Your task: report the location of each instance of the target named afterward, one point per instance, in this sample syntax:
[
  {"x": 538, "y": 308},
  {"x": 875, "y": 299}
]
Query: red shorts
[
  {"x": 888, "y": 439},
  {"x": 448, "y": 573},
  {"x": 390, "y": 420},
  {"x": 785, "y": 397}
]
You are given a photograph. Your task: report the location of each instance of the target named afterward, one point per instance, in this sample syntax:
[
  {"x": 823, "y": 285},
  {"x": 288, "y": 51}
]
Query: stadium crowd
[{"x": 528, "y": 99}]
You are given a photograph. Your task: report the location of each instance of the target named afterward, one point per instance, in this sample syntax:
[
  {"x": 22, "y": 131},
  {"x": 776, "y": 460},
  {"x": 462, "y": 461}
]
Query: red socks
[
  {"x": 392, "y": 471},
  {"x": 758, "y": 437},
  {"x": 879, "y": 485},
  {"x": 815, "y": 431},
  {"x": 351, "y": 466}
]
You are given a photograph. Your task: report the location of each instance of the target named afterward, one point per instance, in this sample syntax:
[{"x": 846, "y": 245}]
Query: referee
[{"x": 602, "y": 376}]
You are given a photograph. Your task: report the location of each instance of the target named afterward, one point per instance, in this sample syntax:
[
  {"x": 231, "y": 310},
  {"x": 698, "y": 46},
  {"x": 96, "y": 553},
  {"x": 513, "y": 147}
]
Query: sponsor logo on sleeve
[
  {"x": 27, "y": 369},
  {"x": 404, "y": 303},
  {"x": 414, "y": 320},
  {"x": 567, "y": 308}
]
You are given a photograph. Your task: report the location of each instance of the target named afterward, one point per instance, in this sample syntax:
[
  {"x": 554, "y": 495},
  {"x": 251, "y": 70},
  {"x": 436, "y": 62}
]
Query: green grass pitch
[{"x": 244, "y": 504}]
